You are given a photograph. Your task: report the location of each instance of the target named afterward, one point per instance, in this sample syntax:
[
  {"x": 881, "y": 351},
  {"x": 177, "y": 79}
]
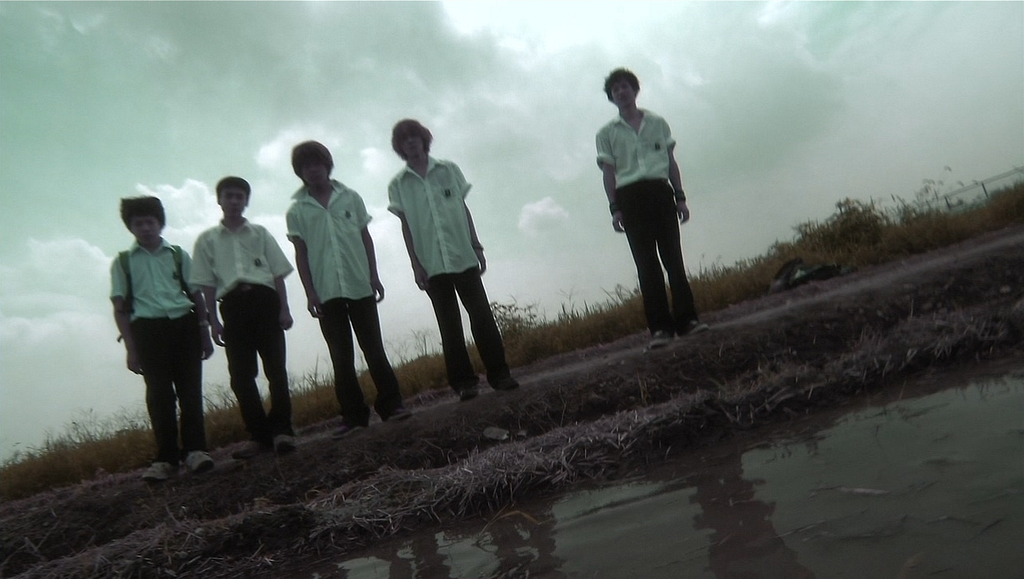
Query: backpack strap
[
  {"x": 122, "y": 258},
  {"x": 176, "y": 252}
]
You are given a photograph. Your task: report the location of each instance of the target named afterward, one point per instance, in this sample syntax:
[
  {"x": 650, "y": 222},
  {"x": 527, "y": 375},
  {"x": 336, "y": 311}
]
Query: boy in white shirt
[
  {"x": 447, "y": 258},
  {"x": 635, "y": 152},
  {"x": 337, "y": 264},
  {"x": 239, "y": 264},
  {"x": 163, "y": 323}
]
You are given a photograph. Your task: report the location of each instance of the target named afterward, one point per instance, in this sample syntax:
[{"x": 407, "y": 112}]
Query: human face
[
  {"x": 315, "y": 174},
  {"x": 412, "y": 146},
  {"x": 233, "y": 201},
  {"x": 623, "y": 93},
  {"x": 146, "y": 230}
]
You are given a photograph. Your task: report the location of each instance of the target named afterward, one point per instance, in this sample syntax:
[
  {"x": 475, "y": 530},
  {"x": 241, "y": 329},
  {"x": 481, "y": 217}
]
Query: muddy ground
[{"x": 602, "y": 412}]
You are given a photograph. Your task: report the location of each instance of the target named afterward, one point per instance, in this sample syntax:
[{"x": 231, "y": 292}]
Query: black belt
[{"x": 240, "y": 289}]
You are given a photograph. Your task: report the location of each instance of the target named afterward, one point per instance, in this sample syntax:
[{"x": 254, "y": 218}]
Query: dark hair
[
  {"x": 620, "y": 74},
  {"x": 403, "y": 129},
  {"x": 310, "y": 151},
  {"x": 142, "y": 207},
  {"x": 236, "y": 182}
]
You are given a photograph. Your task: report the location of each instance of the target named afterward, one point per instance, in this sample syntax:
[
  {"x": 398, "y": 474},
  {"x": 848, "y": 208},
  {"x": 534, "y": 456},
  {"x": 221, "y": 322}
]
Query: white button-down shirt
[
  {"x": 224, "y": 258},
  {"x": 435, "y": 209},
  {"x": 636, "y": 155},
  {"x": 333, "y": 235}
]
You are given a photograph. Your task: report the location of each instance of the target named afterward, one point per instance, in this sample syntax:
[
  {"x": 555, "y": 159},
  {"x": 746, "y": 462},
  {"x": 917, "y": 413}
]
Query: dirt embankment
[{"x": 598, "y": 412}]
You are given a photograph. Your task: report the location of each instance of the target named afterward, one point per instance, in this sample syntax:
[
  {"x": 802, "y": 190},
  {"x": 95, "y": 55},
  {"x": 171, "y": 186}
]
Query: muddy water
[{"x": 929, "y": 485}]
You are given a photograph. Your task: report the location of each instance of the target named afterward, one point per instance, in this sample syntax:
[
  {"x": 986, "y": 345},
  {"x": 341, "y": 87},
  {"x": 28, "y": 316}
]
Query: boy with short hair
[
  {"x": 239, "y": 264},
  {"x": 337, "y": 264},
  {"x": 166, "y": 335},
  {"x": 636, "y": 155},
  {"x": 429, "y": 196}
]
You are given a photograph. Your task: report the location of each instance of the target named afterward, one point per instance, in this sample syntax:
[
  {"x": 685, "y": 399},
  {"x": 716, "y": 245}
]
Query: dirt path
[{"x": 599, "y": 412}]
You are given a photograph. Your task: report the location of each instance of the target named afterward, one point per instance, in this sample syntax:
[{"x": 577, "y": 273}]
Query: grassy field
[{"x": 858, "y": 234}]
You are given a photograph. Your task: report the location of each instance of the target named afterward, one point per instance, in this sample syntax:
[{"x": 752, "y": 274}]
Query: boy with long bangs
[
  {"x": 337, "y": 264},
  {"x": 429, "y": 196},
  {"x": 239, "y": 264},
  {"x": 163, "y": 324},
  {"x": 636, "y": 155}
]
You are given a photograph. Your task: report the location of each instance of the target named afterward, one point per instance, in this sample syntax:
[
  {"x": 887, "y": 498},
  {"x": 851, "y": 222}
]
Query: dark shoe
[
  {"x": 659, "y": 339},
  {"x": 249, "y": 450},
  {"x": 400, "y": 413},
  {"x": 345, "y": 430},
  {"x": 506, "y": 383},
  {"x": 695, "y": 327},
  {"x": 468, "y": 393},
  {"x": 284, "y": 443}
]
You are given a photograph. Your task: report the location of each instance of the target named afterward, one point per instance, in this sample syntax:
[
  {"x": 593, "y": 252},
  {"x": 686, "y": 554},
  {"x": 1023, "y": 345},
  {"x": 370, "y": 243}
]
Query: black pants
[
  {"x": 341, "y": 317},
  {"x": 469, "y": 288},
  {"x": 252, "y": 328},
  {"x": 652, "y": 229},
  {"x": 172, "y": 367}
]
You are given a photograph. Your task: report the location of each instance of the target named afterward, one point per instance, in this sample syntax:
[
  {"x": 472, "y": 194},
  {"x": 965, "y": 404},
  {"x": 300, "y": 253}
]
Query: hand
[
  {"x": 217, "y": 331},
  {"x": 617, "y": 222},
  {"x": 285, "y": 318},
  {"x": 480, "y": 257},
  {"x": 207, "y": 343},
  {"x": 133, "y": 362},
  {"x": 378, "y": 290},
  {"x": 422, "y": 281},
  {"x": 683, "y": 211},
  {"x": 316, "y": 309}
]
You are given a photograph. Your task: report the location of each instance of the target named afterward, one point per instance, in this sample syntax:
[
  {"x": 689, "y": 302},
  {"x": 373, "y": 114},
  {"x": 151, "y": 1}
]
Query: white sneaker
[
  {"x": 198, "y": 461},
  {"x": 660, "y": 339},
  {"x": 159, "y": 472},
  {"x": 695, "y": 327},
  {"x": 284, "y": 443}
]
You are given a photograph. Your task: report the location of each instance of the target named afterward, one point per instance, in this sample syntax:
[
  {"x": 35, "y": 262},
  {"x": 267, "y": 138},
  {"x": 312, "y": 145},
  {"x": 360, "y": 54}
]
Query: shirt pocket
[
  {"x": 346, "y": 219},
  {"x": 446, "y": 187},
  {"x": 655, "y": 146}
]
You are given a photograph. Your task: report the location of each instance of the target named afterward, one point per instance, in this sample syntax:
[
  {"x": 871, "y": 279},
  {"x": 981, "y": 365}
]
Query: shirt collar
[
  {"x": 136, "y": 247},
  {"x": 303, "y": 192},
  {"x": 222, "y": 228},
  {"x": 643, "y": 118},
  {"x": 431, "y": 163}
]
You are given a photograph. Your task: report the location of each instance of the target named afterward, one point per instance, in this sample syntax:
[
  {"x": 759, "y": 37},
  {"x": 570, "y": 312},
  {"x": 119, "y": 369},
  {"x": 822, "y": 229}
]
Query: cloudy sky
[{"x": 780, "y": 110}]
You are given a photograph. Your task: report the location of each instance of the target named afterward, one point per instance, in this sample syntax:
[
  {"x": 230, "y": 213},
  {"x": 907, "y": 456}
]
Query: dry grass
[
  {"x": 858, "y": 234},
  {"x": 487, "y": 481}
]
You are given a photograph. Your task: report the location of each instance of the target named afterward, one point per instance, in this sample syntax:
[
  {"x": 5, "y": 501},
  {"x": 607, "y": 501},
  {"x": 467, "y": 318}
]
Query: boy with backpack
[{"x": 163, "y": 323}]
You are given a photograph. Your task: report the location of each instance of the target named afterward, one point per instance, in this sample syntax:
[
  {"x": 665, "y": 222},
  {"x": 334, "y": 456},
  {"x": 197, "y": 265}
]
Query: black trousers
[
  {"x": 445, "y": 291},
  {"x": 652, "y": 229},
  {"x": 252, "y": 328},
  {"x": 172, "y": 366},
  {"x": 341, "y": 317}
]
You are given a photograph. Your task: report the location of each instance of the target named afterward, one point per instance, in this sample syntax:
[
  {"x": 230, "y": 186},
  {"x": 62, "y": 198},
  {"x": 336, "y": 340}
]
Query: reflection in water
[
  {"x": 744, "y": 543},
  {"x": 513, "y": 544},
  {"x": 932, "y": 487},
  {"x": 417, "y": 556}
]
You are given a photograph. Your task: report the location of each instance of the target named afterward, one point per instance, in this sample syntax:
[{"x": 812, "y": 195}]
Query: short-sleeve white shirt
[
  {"x": 435, "y": 209},
  {"x": 156, "y": 289},
  {"x": 333, "y": 235},
  {"x": 636, "y": 155},
  {"x": 223, "y": 258}
]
